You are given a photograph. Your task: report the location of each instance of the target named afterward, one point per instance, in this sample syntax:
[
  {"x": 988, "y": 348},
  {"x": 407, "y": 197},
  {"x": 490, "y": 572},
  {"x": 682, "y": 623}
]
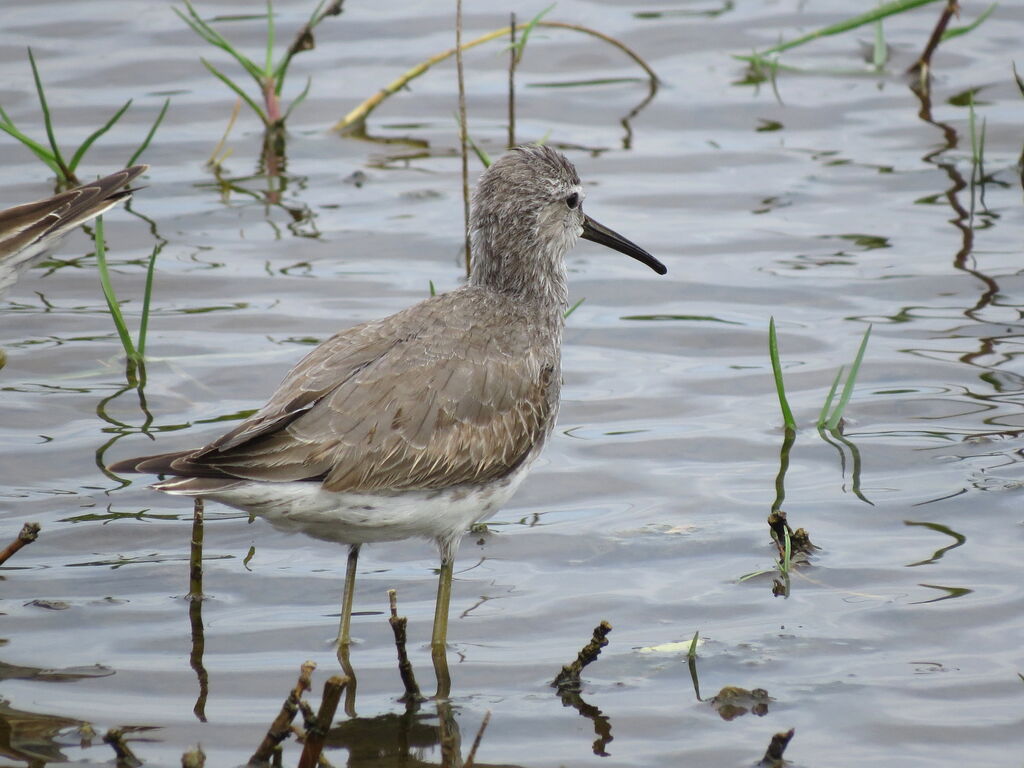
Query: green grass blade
[
  {"x": 47, "y": 121},
  {"x": 952, "y": 32},
  {"x": 80, "y": 152},
  {"x": 298, "y": 100},
  {"x": 212, "y": 36},
  {"x": 520, "y": 44},
  {"x": 433, "y": 290},
  {"x": 828, "y": 400},
  {"x": 692, "y": 653},
  {"x": 881, "y": 12},
  {"x": 146, "y": 297},
  {"x": 109, "y": 295},
  {"x": 238, "y": 91},
  {"x": 37, "y": 149},
  {"x": 780, "y": 387},
  {"x": 879, "y": 54},
  {"x": 152, "y": 132},
  {"x": 1020, "y": 81},
  {"x": 573, "y": 308},
  {"x": 837, "y": 414},
  {"x": 482, "y": 155},
  {"x": 268, "y": 66}
]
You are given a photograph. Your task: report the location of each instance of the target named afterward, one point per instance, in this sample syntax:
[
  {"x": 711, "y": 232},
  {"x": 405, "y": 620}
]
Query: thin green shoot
[
  {"x": 573, "y": 308},
  {"x": 146, "y": 297},
  {"x": 433, "y": 290},
  {"x": 108, "y": 293},
  {"x": 882, "y": 11},
  {"x": 51, "y": 155},
  {"x": 851, "y": 380},
  {"x": 149, "y": 136},
  {"x": 823, "y": 416},
  {"x": 952, "y": 32},
  {"x": 780, "y": 387},
  {"x": 479, "y": 151},
  {"x": 520, "y": 45},
  {"x": 1020, "y": 81},
  {"x": 692, "y": 653},
  {"x": 880, "y": 52}
]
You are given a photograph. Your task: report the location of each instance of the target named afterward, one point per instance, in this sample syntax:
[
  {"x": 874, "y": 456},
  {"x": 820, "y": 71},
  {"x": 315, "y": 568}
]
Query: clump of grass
[
  {"x": 826, "y": 419},
  {"x": 50, "y": 153},
  {"x": 135, "y": 350},
  {"x": 269, "y": 76}
]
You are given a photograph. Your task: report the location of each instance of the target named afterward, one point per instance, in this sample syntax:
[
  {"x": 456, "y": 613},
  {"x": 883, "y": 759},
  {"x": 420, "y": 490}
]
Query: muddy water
[{"x": 840, "y": 202}]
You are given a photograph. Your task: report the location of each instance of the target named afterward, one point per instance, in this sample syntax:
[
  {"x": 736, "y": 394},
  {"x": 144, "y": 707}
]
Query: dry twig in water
[
  {"x": 29, "y": 533},
  {"x": 398, "y": 626},
  {"x": 282, "y": 725},
  {"x": 569, "y": 677},
  {"x": 316, "y": 732}
]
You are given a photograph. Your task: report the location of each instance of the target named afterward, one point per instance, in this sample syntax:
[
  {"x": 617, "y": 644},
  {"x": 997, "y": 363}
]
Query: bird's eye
[{"x": 572, "y": 200}]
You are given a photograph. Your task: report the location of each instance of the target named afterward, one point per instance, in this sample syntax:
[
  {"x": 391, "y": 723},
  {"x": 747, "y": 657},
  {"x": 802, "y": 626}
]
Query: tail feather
[{"x": 33, "y": 228}]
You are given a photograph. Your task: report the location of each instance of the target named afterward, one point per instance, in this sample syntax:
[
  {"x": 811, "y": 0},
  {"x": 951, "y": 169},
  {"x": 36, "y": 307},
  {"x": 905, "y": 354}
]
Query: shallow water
[{"x": 843, "y": 205}]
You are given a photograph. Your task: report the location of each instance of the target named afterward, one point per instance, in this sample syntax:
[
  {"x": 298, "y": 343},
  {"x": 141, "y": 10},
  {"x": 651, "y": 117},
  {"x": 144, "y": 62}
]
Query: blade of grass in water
[
  {"x": 844, "y": 399},
  {"x": 823, "y": 416},
  {"x": 149, "y": 136},
  {"x": 47, "y": 121},
  {"x": 76, "y": 158},
  {"x": 109, "y": 295},
  {"x": 881, "y": 12},
  {"x": 780, "y": 387},
  {"x": 574, "y": 307},
  {"x": 144, "y": 320}
]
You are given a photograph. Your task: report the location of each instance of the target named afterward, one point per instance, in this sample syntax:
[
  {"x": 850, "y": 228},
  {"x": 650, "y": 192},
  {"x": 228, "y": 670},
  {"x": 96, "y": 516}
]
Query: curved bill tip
[{"x": 599, "y": 233}]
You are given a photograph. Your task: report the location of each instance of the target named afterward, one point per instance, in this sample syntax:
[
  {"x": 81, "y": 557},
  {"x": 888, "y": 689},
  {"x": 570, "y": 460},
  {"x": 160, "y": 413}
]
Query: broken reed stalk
[
  {"x": 398, "y": 626},
  {"x": 194, "y": 758},
  {"x": 195, "y": 561},
  {"x": 463, "y": 130},
  {"x": 773, "y": 755},
  {"x": 282, "y": 725},
  {"x": 29, "y": 533},
  {"x": 125, "y": 757},
  {"x": 316, "y": 733},
  {"x": 512, "y": 61},
  {"x": 569, "y": 677},
  {"x": 483, "y": 726},
  {"x": 922, "y": 66},
  {"x": 358, "y": 115}
]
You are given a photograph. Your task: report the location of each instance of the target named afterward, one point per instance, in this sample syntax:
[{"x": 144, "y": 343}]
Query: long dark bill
[{"x": 599, "y": 233}]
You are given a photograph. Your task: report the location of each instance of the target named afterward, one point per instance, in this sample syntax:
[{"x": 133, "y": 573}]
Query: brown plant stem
[
  {"x": 316, "y": 732},
  {"x": 569, "y": 677},
  {"x": 922, "y": 67},
  {"x": 282, "y": 725},
  {"x": 357, "y": 116},
  {"x": 125, "y": 757},
  {"x": 512, "y": 61},
  {"x": 773, "y": 755},
  {"x": 29, "y": 533},
  {"x": 195, "y": 560},
  {"x": 398, "y": 626},
  {"x": 480, "y": 733},
  {"x": 463, "y": 130}
]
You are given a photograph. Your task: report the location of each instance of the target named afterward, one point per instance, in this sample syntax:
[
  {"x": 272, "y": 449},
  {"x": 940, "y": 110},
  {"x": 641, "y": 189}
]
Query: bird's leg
[
  {"x": 444, "y": 596},
  {"x": 344, "y": 639}
]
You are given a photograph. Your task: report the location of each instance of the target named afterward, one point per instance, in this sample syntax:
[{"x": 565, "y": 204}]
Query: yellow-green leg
[
  {"x": 344, "y": 638},
  {"x": 444, "y": 596}
]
